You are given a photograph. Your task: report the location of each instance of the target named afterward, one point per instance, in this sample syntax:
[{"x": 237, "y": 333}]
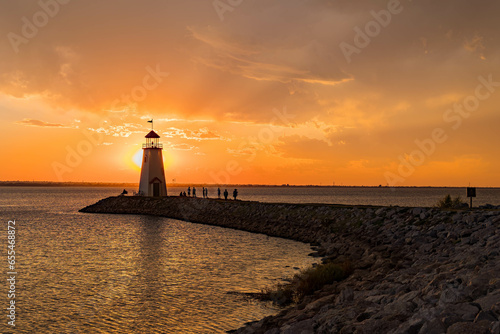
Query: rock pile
[{"x": 417, "y": 271}]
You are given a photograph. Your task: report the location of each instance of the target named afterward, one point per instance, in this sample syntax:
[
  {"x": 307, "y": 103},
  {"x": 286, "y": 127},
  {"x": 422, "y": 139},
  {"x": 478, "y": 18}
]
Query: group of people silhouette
[{"x": 205, "y": 193}]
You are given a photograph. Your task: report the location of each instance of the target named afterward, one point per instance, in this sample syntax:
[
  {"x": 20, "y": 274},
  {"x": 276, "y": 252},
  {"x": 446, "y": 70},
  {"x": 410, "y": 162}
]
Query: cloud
[
  {"x": 124, "y": 130},
  {"x": 286, "y": 65},
  {"x": 227, "y": 77},
  {"x": 299, "y": 147},
  {"x": 35, "y": 122},
  {"x": 200, "y": 134},
  {"x": 243, "y": 152},
  {"x": 180, "y": 147}
]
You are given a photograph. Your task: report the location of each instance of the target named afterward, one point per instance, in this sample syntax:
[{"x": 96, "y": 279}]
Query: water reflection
[{"x": 85, "y": 273}]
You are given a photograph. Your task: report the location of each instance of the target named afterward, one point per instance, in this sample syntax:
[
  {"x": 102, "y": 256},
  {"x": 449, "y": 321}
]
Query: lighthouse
[{"x": 152, "y": 181}]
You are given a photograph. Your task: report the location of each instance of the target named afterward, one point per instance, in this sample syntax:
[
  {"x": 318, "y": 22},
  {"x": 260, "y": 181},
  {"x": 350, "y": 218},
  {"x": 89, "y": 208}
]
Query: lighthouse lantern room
[{"x": 152, "y": 181}]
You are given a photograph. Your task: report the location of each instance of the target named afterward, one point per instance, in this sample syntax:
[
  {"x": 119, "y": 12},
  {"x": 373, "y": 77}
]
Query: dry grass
[{"x": 306, "y": 283}]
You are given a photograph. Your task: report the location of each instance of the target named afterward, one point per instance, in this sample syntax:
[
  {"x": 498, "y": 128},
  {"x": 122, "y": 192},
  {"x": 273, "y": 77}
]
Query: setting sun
[{"x": 137, "y": 158}]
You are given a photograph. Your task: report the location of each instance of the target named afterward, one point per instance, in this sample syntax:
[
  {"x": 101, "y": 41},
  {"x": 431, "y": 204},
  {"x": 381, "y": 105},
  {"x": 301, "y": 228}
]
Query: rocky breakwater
[
  {"x": 302, "y": 222},
  {"x": 416, "y": 270}
]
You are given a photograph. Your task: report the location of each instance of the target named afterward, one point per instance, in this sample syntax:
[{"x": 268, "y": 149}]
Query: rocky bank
[{"x": 417, "y": 270}]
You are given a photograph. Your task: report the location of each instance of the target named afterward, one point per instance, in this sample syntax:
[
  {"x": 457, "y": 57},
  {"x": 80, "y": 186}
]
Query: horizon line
[{"x": 105, "y": 183}]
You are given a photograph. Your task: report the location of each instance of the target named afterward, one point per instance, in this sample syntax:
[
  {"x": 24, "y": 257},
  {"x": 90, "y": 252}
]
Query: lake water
[{"x": 97, "y": 273}]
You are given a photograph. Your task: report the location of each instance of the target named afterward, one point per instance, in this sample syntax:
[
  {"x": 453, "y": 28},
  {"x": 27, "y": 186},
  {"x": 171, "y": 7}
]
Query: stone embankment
[{"x": 417, "y": 270}]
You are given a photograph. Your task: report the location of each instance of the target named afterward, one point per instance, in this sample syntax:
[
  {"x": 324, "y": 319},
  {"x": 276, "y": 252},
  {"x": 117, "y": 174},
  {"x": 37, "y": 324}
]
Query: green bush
[{"x": 448, "y": 203}]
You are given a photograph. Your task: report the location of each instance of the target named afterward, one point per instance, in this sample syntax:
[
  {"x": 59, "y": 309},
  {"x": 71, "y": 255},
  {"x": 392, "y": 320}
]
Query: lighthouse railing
[{"x": 152, "y": 145}]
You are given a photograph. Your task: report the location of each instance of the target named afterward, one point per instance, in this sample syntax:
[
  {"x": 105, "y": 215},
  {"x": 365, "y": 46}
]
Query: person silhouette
[
  {"x": 189, "y": 191},
  {"x": 225, "y": 194},
  {"x": 218, "y": 193},
  {"x": 194, "y": 192},
  {"x": 235, "y": 194}
]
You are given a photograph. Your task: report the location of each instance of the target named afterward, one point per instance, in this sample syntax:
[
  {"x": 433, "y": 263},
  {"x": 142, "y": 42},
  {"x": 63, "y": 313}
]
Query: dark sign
[{"x": 471, "y": 192}]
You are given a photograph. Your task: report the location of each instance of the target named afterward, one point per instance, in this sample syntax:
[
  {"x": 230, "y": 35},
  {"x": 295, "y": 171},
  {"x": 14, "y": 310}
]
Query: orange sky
[{"x": 263, "y": 92}]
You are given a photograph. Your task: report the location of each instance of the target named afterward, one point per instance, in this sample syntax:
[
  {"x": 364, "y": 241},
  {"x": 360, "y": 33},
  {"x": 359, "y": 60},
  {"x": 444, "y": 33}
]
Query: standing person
[
  {"x": 235, "y": 194},
  {"x": 218, "y": 193},
  {"x": 206, "y": 192},
  {"x": 189, "y": 191},
  {"x": 194, "y": 192},
  {"x": 225, "y": 194},
  {"x": 203, "y": 192}
]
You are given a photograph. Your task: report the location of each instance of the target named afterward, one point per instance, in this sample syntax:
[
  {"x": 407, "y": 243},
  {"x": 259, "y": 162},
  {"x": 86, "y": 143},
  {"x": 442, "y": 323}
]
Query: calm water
[
  {"x": 88, "y": 273},
  {"x": 368, "y": 196}
]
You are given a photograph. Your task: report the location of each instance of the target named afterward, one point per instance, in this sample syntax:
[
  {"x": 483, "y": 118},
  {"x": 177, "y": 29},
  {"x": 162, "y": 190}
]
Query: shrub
[
  {"x": 448, "y": 203},
  {"x": 282, "y": 294},
  {"x": 307, "y": 282},
  {"x": 315, "y": 278}
]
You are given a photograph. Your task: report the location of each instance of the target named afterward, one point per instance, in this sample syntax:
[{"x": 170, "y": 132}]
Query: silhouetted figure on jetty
[
  {"x": 184, "y": 194},
  {"x": 235, "y": 194},
  {"x": 124, "y": 192},
  {"x": 206, "y": 192},
  {"x": 218, "y": 193},
  {"x": 194, "y": 192},
  {"x": 189, "y": 191},
  {"x": 225, "y": 194}
]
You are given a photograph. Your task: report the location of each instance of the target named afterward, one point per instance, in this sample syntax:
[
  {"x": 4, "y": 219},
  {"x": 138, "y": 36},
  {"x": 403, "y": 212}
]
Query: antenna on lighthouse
[{"x": 151, "y": 121}]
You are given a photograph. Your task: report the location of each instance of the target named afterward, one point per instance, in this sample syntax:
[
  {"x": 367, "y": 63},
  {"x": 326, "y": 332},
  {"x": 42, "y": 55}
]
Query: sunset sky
[{"x": 252, "y": 91}]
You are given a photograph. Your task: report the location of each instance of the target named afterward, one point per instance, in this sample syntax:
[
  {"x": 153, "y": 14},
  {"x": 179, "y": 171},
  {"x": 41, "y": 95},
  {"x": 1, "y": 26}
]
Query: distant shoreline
[
  {"x": 64, "y": 184},
  {"x": 180, "y": 185}
]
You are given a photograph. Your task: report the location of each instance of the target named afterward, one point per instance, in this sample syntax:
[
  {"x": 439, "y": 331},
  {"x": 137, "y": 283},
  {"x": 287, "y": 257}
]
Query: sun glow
[
  {"x": 137, "y": 158},
  {"x": 134, "y": 159}
]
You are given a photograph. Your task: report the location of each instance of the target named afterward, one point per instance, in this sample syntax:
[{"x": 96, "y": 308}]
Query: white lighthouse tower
[{"x": 152, "y": 171}]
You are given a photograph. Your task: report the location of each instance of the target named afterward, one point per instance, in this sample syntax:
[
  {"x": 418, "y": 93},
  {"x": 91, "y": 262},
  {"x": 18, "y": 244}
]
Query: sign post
[{"x": 471, "y": 192}]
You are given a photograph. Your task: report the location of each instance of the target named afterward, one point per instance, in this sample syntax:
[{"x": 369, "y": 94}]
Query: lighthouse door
[{"x": 156, "y": 189}]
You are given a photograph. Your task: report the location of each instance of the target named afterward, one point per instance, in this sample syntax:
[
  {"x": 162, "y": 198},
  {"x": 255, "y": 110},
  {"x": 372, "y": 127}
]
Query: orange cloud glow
[{"x": 264, "y": 95}]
